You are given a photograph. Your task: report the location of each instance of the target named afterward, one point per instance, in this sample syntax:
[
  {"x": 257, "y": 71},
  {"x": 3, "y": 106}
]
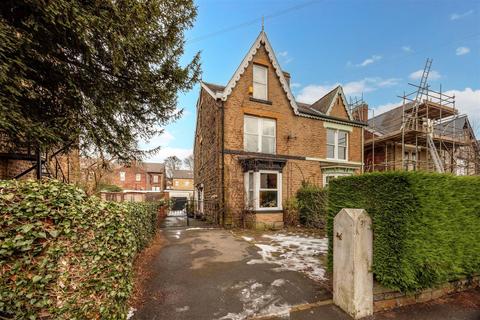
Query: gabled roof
[
  {"x": 153, "y": 167},
  {"x": 319, "y": 110},
  {"x": 182, "y": 174}
]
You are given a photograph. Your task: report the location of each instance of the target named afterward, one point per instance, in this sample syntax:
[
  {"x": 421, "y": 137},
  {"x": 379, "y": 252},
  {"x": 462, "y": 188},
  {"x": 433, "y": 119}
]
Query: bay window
[
  {"x": 337, "y": 144},
  {"x": 263, "y": 190},
  {"x": 260, "y": 76},
  {"x": 259, "y": 134}
]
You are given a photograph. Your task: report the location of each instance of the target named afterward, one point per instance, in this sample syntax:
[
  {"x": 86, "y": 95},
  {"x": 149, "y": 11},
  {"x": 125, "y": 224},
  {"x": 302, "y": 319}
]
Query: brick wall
[
  {"x": 182, "y": 184},
  {"x": 130, "y": 183}
]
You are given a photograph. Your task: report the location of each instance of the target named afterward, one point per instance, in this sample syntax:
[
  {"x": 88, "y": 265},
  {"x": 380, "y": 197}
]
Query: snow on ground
[
  {"x": 131, "y": 312},
  {"x": 249, "y": 239},
  {"x": 259, "y": 300},
  {"x": 293, "y": 252}
]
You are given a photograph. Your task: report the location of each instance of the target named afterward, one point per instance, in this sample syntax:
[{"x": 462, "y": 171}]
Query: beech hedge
[
  {"x": 64, "y": 255},
  {"x": 426, "y": 226}
]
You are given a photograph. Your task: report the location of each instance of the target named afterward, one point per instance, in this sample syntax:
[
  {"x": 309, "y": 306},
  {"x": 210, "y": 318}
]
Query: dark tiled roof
[
  {"x": 214, "y": 87},
  {"x": 389, "y": 121},
  {"x": 324, "y": 102},
  {"x": 182, "y": 174},
  {"x": 153, "y": 167}
]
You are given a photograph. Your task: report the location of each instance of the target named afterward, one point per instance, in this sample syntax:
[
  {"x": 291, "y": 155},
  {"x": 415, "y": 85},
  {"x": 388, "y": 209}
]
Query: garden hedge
[
  {"x": 64, "y": 255},
  {"x": 311, "y": 201},
  {"x": 426, "y": 226}
]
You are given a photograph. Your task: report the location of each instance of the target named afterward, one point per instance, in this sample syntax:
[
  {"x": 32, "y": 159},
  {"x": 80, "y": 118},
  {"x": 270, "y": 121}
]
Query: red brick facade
[
  {"x": 146, "y": 172},
  {"x": 300, "y": 141}
]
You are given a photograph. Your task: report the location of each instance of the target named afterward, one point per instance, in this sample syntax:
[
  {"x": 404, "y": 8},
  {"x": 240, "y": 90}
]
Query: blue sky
[{"x": 371, "y": 47}]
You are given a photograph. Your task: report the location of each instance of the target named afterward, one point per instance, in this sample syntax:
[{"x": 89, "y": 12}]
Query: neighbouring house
[
  {"x": 255, "y": 144},
  {"x": 435, "y": 137},
  {"x": 180, "y": 185},
  {"x": 141, "y": 176}
]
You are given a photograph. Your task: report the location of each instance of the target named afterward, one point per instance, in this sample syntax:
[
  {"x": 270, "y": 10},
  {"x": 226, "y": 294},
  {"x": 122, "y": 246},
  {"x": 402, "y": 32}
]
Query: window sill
[
  {"x": 261, "y": 101},
  {"x": 266, "y": 210}
]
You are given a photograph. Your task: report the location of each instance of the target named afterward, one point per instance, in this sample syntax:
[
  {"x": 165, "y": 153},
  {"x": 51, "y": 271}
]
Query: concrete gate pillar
[{"x": 352, "y": 262}]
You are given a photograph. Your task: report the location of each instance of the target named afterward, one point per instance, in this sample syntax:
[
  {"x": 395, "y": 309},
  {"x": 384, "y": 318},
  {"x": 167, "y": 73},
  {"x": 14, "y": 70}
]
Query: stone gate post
[{"x": 352, "y": 262}]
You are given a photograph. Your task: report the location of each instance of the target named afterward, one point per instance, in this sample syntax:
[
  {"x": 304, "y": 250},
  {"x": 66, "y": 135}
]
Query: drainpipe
[{"x": 223, "y": 164}]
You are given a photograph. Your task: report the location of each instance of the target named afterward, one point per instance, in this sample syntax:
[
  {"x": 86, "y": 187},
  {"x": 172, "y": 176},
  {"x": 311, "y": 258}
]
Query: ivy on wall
[{"x": 64, "y": 255}]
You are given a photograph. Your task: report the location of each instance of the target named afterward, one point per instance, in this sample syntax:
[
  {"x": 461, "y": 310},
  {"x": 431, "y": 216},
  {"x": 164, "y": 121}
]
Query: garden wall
[
  {"x": 426, "y": 226},
  {"x": 64, "y": 255}
]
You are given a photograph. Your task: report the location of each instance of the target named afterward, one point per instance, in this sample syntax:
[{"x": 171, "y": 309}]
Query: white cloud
[
  {"x": 312, "y": 93},
  {"x": 433, "y": 75},
  {"x": 461, "y": 51},
  {"x": 468, "y": 101},
  {"x": 162, "y": 139},
  {"x": 295, "y": 85},
  {"x": 367, "y": 61},
  {"x": 457, "y": 16},
  {"x": 407, "y": 49},
  {"x": 284, "y": 57},
  {"x": 169, "y": 151}
]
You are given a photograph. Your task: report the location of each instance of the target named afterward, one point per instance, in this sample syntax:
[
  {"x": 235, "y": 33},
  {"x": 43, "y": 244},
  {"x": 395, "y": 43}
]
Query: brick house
[
  {"x": 180, "y": 185},
  {"x": 255, "y": 145},
  {"x": 143, "y": 176}
]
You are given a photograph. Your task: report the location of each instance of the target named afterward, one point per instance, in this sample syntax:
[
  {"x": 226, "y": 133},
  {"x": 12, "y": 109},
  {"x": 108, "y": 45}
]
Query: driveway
[{"x": 208, "y": 273}]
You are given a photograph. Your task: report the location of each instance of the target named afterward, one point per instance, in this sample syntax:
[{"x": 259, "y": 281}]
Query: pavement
[
  {"x": 207, "y": 273},
  {"x": 202, "y": 273}
]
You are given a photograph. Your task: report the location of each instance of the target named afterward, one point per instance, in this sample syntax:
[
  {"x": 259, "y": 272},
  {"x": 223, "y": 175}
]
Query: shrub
[
  {"x": 290, "y": 212},
  {"x": 426, "y": 226},
  {"x": 64, "y": 255},
  {"x": 311, "y": 204},
  {"x": 109, "y": 188}
]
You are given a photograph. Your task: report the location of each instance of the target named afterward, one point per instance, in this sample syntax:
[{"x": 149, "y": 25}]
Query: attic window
[{"x": 260, "y": 80}]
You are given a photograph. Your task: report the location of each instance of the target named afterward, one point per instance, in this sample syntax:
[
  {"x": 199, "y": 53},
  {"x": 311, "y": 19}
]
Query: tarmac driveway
[{"x": 207, "y": 273}]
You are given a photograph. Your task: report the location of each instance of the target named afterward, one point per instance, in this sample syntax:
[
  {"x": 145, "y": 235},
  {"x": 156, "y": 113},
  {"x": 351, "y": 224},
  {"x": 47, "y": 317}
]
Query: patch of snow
[
  {"x": 294, "y": 253},
  {"x": 182, "y": 309},
  {"x": 258, "y": 300},
  {"x": 131, "y": 312},
  {"x": 278, "y": 282},
  {"x": 249, "y": 239},
  {"x": 177, "y": 234}
]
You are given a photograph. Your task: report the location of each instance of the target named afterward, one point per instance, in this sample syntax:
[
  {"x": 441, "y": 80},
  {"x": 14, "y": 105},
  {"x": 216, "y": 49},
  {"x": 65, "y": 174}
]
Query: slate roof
[
  {"x": 324, "y": 102},
  {"x": 153, "y": 166},
  {"x": 389, "y": 121},
  {"x": 182, "y": 174},
  {"x": 215, "y": 87}
]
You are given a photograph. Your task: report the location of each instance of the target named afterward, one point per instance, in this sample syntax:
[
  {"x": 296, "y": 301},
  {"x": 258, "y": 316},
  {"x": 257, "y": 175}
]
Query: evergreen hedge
[
  {"x": 426, "y": 226},
  {"x": 311, "y": 201},
  {"x": 64, "y": 255}
]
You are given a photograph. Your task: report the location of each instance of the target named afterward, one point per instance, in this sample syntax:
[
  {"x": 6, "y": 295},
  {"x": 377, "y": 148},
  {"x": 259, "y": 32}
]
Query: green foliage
[
  {"x": 311, "y": 204},
  {"x": 426, "y": 226},
  {"x": 109, "y": 188},
  {"x": 64, "y": 255},
  {"x": 103, "y": 73},
  {"x": 290, "y": 212}
]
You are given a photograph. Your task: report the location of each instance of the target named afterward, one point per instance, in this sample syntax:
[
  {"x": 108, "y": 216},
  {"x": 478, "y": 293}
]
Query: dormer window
[{"x": 260, "y": 77}]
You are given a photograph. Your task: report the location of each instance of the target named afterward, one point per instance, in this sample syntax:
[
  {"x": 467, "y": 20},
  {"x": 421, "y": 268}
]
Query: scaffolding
[{"x": 425, "y": 133}]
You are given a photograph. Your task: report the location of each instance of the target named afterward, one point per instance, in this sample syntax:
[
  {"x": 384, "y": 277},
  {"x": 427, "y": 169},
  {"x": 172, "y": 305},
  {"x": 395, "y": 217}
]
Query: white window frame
[
  {"x": 256, "y": 190},
  {"x": 260, "y": 135},
  {"x": 335, "y": 175},
  {"x": 336, "y": 145},
  {"x": 155, "y": 178},
  {"x": 138, "y": 177},
  {"x": 123, "y": 175},
  {"x": 260, "y": 68}
]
